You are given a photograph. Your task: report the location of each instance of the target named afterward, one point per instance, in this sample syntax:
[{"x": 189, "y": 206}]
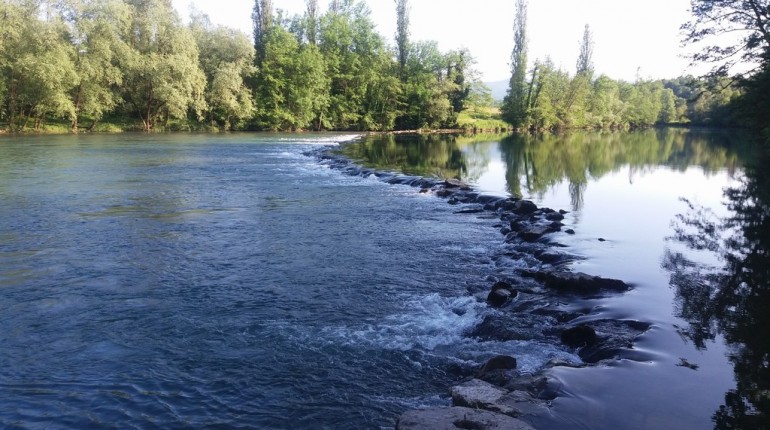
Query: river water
[{"x": 178, "y": 281}]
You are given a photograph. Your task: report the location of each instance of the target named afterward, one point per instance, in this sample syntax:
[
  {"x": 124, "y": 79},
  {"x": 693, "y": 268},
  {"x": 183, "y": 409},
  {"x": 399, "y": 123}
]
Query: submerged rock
[
  {"x": 458, "y": 418},
  {"x": 613, "y": 338},
  {"x": 580, "y": 283},
  {"x": 500, "y": 362},
  {"x": 456, "y": 183},
  {"x": 580, "y": 336}
]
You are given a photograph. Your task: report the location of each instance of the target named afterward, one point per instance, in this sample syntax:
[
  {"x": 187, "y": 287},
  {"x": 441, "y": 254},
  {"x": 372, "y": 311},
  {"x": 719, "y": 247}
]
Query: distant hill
[{"x": 499, "y": 88}]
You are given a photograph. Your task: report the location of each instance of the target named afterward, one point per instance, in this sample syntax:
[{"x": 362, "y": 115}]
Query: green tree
[
  {"x": 402, "y": 34},
  {"x": 37, "y": 65},
  {"x": 262, "y": 19},
  {"x": 227, "y": 60},
  {"x": 287, "y": 83},
  {"x": 514, "y": 108},
  {"x": 312, "y": 21},
  {"x": 580, "y": 87},
  {"x": 97, "y": 28},
  {"x": 362, "y": 93},
  {"x": 427, "y": 89},
  {"x": 163, "y": 79}
]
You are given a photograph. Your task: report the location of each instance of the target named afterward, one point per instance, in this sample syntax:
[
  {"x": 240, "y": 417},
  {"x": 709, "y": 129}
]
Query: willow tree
[
  {"x": 36, "y": 65},
  {"x": 227, "y": 60},
  {"x": 163, "y": 79},
  {"x": 98, "y": 27},
  {"x": 514, "y": 108}
]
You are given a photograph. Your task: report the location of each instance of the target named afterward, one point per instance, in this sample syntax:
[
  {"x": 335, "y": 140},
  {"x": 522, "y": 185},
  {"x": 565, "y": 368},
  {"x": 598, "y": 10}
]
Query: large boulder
[{"x": 458, "y": 418}]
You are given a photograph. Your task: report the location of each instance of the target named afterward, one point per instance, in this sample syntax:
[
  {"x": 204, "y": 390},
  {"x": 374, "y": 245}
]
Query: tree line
[
  {"x": 130, "y": 62},
  {"x": 733, "y": 93},
  {"x": 543, "y": 97},
  {"x": 82, "y": 61}
]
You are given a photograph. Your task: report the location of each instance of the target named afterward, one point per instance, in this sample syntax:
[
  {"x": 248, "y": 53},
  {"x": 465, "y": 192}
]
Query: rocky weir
[{"x": 533, "y": 295}]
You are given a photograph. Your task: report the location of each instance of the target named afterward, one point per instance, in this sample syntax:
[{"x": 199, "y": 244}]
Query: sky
[{"x": 631, "y": 38}]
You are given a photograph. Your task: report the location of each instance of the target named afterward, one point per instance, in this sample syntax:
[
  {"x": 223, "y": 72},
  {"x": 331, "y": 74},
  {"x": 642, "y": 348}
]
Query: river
[{"x": 176, "y": 281}]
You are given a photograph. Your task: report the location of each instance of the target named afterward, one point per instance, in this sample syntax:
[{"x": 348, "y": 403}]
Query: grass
[{"x": 481, "y": 118}]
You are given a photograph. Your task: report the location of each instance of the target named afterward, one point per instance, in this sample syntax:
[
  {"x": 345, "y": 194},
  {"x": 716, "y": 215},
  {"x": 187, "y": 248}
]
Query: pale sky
[{"x": 628, "y": 35}]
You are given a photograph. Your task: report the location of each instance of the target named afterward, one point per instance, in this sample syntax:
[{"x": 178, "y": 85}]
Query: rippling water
[{"x": 191, "y": 281}]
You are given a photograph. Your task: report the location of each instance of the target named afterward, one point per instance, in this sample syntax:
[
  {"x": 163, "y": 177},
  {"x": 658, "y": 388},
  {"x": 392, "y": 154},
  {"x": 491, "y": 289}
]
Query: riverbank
[{"x": 534, "y": 281}]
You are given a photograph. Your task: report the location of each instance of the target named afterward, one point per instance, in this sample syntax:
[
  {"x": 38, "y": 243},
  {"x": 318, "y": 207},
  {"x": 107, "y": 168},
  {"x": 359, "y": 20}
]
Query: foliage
[
  {"x": 227, "y": 60},
  {"x": 163, "y": 79},
  {"x": 713, "y": 20},
  {"x": 517, "y": 101},
  {"x": 84, "y": 61}
]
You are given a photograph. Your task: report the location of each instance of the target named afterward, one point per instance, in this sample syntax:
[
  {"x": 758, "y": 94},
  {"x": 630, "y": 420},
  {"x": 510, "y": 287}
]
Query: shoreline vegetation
[{"x": 126, "y": 65}]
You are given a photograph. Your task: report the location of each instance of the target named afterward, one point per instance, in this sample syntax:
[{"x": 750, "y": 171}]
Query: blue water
[{"x": 230, "y": 281}]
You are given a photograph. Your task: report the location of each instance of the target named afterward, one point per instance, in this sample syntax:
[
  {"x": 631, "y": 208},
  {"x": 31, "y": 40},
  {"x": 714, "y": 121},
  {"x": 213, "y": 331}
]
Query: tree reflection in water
[{"x": 732, "y": 298}]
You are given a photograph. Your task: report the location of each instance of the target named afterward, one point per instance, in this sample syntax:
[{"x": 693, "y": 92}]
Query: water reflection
[
  {"x": 530, "y": 165},
  {"x": 732, "y": 297}
]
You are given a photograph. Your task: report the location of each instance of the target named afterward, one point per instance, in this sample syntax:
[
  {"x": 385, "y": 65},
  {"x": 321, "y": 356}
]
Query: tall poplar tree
[
  {"x": 514, "y": 109},
  {"x": 262, "y": 19},
  {"x": 312, "y": 21},
  {"x": 402, "y": 34}
]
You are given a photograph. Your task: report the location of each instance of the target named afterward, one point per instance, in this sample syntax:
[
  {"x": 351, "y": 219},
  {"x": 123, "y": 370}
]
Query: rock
[
  {"x": 563, "y": 212},
  {"x": 456, "y": 183},
  {"x": 499, "y": 298},
  {"x": 500, "y": 362},
  {"x": 496, "y": 370},
  {"x": 471, "y": 210},
  {"x": 569, "y": 231},
  {"x": 553, "y": 257},
  {"x": 518, "y": 225},
  {"x": 501, "y": 294},
  {"x": 554, "y": 216},
  {"x": 556, "y": 226},
  {"x": 477, "y": 394},
  {"x": 533, "y": 233},
  {"x": 443, "y": 192},
  {"x": 578, "y": 337},
  {"x": 455, "y": 418},
  {"x": 502, "y": 328},
  {"x": 614, "y": 338},
  {"x": 524, "y": 207},
  {"x": 482, "y": 395},
  {"x": 509, "y": 205},
  {"x": 581, "y": 282}
]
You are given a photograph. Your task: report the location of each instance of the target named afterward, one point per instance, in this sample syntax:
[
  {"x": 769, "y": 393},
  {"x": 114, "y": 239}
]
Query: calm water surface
[
  {"x": 233, "y": 281},
  {"x": 683, "y": 221}
]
